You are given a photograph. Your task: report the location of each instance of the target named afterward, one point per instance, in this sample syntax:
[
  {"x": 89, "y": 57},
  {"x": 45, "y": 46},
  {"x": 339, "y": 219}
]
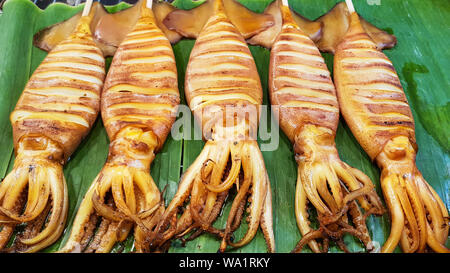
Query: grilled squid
[
  {"x": 224, "y": 92},
  {"x": 376, "y": 109},
  {"x": 301, "y": 89},
  {"x": 139, "y": 104},
  {"x": 55, "y": 111}
]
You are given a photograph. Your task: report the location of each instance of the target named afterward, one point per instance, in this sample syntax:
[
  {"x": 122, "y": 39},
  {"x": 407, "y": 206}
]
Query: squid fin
[
  {"x": 109, "y": 28},
  {"x": 248, "y": 23},
  {"x": 326, "y": 31},
  {"x": 189, "y": 23},
  {"x": 49, "y": 37},
  {"x": 113, "y": 27},
  {"x": 268, "y": 36},
  {"x": 336, "y": 23}
]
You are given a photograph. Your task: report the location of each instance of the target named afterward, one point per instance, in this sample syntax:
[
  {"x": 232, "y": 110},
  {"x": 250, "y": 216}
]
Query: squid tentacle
[
  {"x": 258, "y": 195},
  {"x": 437, "y": 216},
  {"x": 417, "y": 213},
  {"x": 242, "y": 193},
  {"x": 311, "y": 236},
  {"x": 134, "y": 198},
  {"x": 208, "y": 187},
  {"x": 333, "y": 188},
  {"x": 37, "y": 168},
  {"x": 267, "y": 219},
  {"x": 302, "y": 217}
]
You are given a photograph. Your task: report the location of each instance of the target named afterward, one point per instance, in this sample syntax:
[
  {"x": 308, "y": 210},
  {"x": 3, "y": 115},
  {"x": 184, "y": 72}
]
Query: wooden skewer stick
[
  {"x": 149, "y": 4},
  {"x": 87, "y": 8},
  {"x": 350, "y": 6},
  {"x": 285, "y": 3}
]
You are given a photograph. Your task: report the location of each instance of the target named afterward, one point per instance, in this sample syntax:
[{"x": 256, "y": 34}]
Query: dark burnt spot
[
  {"x": 396, "y": 123},
  {"x": 140, "y": 146},
  {"x": 370, "y": 65}
]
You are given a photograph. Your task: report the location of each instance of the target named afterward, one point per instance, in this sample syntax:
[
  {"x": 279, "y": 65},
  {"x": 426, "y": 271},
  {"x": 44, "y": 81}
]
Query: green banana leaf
[{"x": 421, "y": 59}]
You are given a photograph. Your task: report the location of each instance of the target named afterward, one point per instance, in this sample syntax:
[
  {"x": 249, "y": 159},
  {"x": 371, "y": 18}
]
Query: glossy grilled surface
[
  {"x": 141, "y": 88},
  {"x": 371, "y": 96},
  {"x": 62, "y": 98},
  {"x": 221, "y": 84},
  {"x": 376, "y": 109},
  {"x": 304, "y": 99},
  {"x": 300, "y": 83},
  {"x": 221, "y": 72},
  {"x": 139, "y": 103}
]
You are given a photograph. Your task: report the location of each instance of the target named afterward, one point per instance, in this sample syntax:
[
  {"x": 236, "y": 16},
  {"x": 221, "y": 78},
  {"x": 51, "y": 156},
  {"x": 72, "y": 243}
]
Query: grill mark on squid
[
  {"x": 300, "y": 38},
  {"x": 220, "y": 43},
  {"x": 311, "y": 105},
  {"x": 307, "y": 69},
  {"x": 377, "y": 87},
  {"x": 66, "y": 46},
  {"x": 48, "y": 75},
  {"x": 142, "y": 90},
  {"x": 377, "y": 121},
  {"x": 385, "y": 127},
  {"x": 67, "y": 107},
  {"x": 365, "y": 60},
  {"x": 224, "y": 54},
  {"x": 93, "y": 55},
  {"x": 135, "y": 118},
  {"x": 149, "y": 49},
  {"x": 200, "y": 101},
  {"x": 155, "y": 75},
  {"x": 304, "y": 83},
  {"x": 143, "y": 40},
  {"x": 67, "y": 65},
  {"x": 376, "y": 81},
  {"x": 301, "y": 46},
  {"x": 307, "y": 92},
  {"x": 19, "y": 115},
  {"x": 219, "y": 67},
  {"x": 218, "y": 34},
  {"x": 150, "y": 60},
  {"x": 221, "y": 90},
  {"x": 300, "y": 55},
  {"x": 142, "y": 106},
  {"x": 355, "y": 66},
  {"x": 63, "y": 91}
]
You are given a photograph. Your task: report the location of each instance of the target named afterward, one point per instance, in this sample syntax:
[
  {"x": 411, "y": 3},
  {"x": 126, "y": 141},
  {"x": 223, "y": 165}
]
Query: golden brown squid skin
[
  {"x": 55, "y": 111},
  {"x": 221, "y": 83},
  {"x": 376, "y": 109},
  {"x": 139, "y": 104},
  {"x": 303, "y": 93}
]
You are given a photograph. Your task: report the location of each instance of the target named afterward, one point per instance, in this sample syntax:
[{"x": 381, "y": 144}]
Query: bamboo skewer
[
  {"x": 350, "y": 6},
  {"x": 87, "y": 8},
  {"x": 149, "y": 4}
]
